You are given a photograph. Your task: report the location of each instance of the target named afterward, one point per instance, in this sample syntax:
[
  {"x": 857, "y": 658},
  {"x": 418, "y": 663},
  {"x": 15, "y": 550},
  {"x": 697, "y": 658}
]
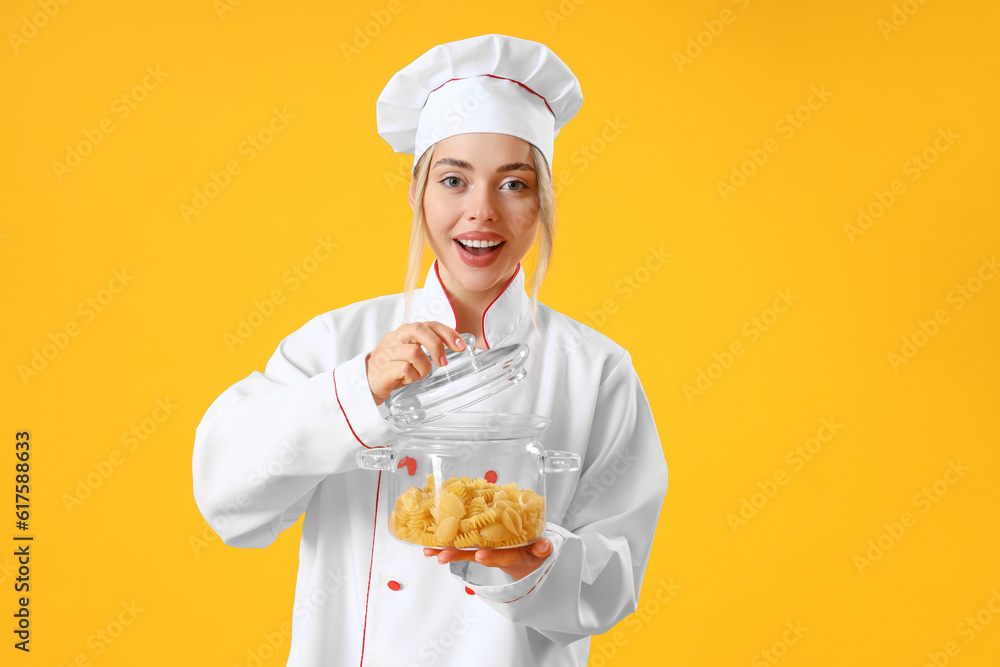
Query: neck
[{"x": 469, "y": 306}]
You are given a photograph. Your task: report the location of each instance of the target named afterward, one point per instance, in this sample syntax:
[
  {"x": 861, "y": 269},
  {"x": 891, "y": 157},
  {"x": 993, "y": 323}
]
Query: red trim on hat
[{"x": 493, "y": 76}]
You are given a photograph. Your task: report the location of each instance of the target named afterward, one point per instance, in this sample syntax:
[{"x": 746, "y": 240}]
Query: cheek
[
  {"x": 436, "y": 216},
  {"x": 525, "y": 222}
]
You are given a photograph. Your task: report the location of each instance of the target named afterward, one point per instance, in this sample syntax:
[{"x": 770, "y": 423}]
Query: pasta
[{"x": 467, "y": 513}]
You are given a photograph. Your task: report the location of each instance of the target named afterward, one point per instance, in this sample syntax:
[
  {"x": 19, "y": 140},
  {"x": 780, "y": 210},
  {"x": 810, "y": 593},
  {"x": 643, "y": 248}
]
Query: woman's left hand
[{"x": 518, "y": 563}]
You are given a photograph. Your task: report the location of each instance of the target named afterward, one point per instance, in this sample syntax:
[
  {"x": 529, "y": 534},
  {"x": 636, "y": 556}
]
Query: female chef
[{"x": 480, "y": 116}]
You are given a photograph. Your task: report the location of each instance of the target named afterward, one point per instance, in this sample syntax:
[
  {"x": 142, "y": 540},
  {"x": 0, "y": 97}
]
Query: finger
[
  {"x": 413, "y": 355},
  {"x": 435, "y": 335},
  {"x": 402, "y": 373},
  {"x": 541, "y": 548},
  {"x": 449, "y": 336},
  {"x": 420, "y": 333},
  {"x": 452, "y": 555},
  {"x": 504, "y": 557}
]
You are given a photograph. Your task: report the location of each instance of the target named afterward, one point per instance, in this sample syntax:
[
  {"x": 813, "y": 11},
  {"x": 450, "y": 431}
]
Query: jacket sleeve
[
  {"x": 267, "y": 441},
  {"x": 593, "y": 576}
]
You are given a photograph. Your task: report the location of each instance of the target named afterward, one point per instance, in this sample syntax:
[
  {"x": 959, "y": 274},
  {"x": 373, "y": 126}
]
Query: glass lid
[{"x": 469, "y": 377}]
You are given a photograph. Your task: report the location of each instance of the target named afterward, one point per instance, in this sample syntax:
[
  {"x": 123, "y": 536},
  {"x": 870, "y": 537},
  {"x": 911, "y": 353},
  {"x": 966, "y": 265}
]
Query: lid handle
[
  {"x": 450, "y": 354},
  {"x": 376, "y": 458},
  {"x": 470, "y": 343},
  {"x": 556, "y": 461}
]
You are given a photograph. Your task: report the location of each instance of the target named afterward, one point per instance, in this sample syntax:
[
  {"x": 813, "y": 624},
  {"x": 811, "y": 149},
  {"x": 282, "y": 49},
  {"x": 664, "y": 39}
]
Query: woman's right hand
[{"x": 398, "y": 360}]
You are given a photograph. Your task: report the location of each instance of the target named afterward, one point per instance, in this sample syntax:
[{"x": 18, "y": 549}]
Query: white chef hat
[{"x": 490, "y": 83}]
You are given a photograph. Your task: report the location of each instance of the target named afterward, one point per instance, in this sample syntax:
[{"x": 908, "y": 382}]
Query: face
[{"x": 481, "y": 191}]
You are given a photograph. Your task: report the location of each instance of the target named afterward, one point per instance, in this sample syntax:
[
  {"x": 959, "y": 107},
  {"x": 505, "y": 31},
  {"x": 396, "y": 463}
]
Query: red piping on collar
[
  {"x": 493, "y": 76},
  {"x": 453, "y": 311},
  {"x": 486, "y": 342}
]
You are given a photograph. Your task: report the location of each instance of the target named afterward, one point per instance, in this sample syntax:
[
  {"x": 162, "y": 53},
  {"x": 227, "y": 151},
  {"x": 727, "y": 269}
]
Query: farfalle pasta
[{"x": 467, "y": 513}]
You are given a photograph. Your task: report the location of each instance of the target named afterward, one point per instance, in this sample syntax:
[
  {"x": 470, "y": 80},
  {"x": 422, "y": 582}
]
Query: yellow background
[{"x": 725, "y": 595}]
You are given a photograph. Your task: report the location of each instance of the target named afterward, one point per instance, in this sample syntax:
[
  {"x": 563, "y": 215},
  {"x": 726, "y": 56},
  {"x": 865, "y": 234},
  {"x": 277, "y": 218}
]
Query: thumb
[{"x": 542, "y": 548}]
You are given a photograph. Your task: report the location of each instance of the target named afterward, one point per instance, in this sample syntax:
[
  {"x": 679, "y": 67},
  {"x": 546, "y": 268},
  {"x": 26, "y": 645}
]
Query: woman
[{"x": 480, "y": 116}]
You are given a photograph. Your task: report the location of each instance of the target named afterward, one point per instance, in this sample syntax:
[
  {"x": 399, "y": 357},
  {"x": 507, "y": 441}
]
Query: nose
[{"x": 481, "y": 205}]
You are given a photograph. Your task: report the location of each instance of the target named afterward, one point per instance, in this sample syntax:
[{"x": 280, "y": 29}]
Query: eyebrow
[{"x": 462, "y": 164}]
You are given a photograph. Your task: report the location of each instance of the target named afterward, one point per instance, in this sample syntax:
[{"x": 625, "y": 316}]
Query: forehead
[{"x": 484, "y": 150}]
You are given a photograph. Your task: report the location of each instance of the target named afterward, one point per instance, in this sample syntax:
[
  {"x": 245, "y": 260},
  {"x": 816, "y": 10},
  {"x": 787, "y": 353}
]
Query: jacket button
[
  {"x": 469, "y": 591},
  {"x": 394, "y": 585}
]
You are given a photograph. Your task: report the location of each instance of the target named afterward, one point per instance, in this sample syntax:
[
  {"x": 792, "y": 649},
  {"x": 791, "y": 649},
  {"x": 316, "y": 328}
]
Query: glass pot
[{"x": 464, "y": 479}]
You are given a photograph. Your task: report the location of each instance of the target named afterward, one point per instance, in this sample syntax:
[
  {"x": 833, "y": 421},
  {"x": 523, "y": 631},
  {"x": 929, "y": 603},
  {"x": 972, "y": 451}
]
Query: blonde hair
[{"x": 543, "y": 239}]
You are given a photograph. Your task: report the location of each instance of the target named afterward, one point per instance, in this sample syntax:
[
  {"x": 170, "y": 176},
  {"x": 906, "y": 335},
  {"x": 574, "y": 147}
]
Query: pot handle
[
  {"x": 555, "y": 461},
  {"x": 376, "y": 458}
]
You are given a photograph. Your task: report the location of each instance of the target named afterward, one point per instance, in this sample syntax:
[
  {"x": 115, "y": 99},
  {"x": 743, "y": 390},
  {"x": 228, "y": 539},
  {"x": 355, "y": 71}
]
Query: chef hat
[{"x": 489, "y": 83}]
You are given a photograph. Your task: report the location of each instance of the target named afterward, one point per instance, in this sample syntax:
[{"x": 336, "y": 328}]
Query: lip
[{"x": 478, "y": 261}]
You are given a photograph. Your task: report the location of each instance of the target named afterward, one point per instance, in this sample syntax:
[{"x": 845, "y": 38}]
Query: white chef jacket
[{"x": 283, "y": 442}]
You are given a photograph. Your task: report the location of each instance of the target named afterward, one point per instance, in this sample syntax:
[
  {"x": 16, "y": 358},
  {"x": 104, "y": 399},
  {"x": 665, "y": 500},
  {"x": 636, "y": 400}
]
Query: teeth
[{"x": 479, "y": 244}]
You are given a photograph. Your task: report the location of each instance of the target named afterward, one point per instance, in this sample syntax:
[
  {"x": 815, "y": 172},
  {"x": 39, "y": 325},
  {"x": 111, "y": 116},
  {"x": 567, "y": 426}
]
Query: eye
[
  {"x": 522, "y": 184},
  {"x": 448, "y": 179}
]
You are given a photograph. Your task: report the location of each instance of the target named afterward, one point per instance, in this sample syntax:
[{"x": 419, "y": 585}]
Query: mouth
[{"x": 478, "y": 248}]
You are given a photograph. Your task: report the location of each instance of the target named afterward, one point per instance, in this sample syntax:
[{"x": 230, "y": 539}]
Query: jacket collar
[{"x": 502, "y": 317}]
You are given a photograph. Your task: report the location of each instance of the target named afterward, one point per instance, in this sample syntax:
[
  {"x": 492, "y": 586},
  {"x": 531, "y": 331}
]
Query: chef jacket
[{"x": 283, "y": 442}]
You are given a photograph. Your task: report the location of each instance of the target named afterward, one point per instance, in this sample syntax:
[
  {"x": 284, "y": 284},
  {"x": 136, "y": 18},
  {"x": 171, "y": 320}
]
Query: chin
[{"x": 479, "y": 279}]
